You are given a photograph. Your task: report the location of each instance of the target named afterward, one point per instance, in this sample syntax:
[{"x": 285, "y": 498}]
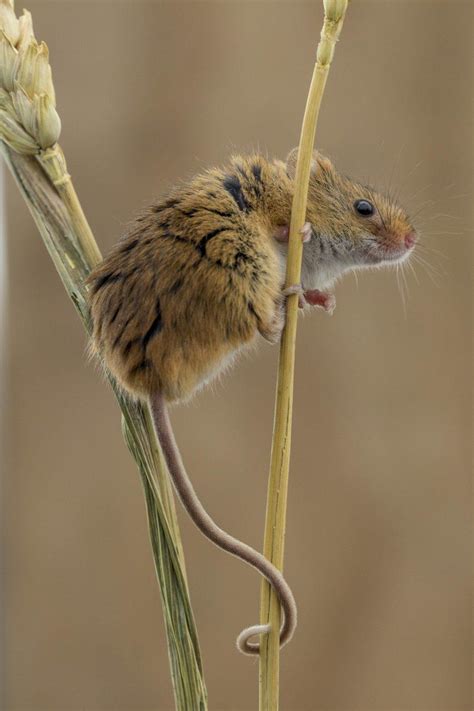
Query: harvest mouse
[{"x": 200, "y": 274}]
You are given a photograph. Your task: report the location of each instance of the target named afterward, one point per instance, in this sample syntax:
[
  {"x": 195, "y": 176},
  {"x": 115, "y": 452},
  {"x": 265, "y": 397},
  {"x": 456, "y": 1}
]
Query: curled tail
[{"x": 215, "y": 534}]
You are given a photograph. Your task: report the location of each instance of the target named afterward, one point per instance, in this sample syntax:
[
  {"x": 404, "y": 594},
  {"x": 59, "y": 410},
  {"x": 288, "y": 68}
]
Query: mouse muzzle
[{"x": 391, "y": 247}]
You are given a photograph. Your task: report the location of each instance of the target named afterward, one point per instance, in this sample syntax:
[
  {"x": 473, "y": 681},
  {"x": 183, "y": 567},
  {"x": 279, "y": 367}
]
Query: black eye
[{"x": 364, "y": 208}]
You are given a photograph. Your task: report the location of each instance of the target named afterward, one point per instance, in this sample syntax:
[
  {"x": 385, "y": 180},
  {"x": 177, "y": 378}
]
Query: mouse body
[{"x": 200, "y": 275}]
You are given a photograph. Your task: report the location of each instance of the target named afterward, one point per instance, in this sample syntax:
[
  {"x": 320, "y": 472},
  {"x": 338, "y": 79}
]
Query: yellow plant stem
[
  {"x": 281, "y": 443},
  {"x": 54, "y": 164}
]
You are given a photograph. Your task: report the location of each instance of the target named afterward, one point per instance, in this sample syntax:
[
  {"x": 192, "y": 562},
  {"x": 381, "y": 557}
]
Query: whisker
[
  {"x": 414, "y": 196},
  {"x": 457, "y": 197},
  {"x": 424, "y": 206},
  {"x": 431, "y": 250},
  {"x": 397, "y": 275},
  {"x": 445, "y": 234},
  {"x": 433, "y": 272},
  {"x": 449, "y": 216},
  {"x": 413, "y": 270},
  {"x": 396, "y": 166},
  {"x": 415, "y": 167},
  {"x": 401, "y": 290},
  {"x": 404, "y": 279}
]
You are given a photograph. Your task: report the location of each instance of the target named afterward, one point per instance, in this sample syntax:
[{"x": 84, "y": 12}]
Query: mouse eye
[{"x": 364, "y": 208}]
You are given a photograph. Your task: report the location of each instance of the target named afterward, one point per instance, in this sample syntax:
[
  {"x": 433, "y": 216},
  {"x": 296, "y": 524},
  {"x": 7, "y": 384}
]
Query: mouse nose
[{"x": 410, "y": 239}]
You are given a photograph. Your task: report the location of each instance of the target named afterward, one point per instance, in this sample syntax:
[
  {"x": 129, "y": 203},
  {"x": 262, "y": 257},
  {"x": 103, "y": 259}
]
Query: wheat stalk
[
  {"x": 334, "y": 13},
  {"x": 29, "y": 131}
]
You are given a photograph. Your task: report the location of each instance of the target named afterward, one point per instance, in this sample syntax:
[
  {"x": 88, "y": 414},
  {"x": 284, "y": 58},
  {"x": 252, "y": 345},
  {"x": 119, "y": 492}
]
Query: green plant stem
[{"x": 61, "y": 222}]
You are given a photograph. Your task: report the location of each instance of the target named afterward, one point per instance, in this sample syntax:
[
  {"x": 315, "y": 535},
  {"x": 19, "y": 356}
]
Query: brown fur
[
  {"x": 199, "y": 273},
  {"x": 196, "y": 278}
]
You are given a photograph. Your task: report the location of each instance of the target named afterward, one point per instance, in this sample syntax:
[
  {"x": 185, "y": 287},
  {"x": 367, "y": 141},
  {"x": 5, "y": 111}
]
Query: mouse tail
[{"x": 223, "y": 540}]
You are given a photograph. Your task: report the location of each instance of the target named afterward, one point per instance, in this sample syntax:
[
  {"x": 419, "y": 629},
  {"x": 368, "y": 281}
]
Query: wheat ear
[{"x": 29, "y": 131}]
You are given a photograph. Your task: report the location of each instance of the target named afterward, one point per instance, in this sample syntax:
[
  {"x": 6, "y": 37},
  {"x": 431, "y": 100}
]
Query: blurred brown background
[{"x": 378, "y": 544}]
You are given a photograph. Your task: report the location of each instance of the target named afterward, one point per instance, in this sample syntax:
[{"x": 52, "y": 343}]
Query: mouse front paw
[
  {"x": 296, "y": 289},
  {"x": 323, "y": 299},
  {"x": 282, "y": 233},
  {"x": 306, "y": 231}
]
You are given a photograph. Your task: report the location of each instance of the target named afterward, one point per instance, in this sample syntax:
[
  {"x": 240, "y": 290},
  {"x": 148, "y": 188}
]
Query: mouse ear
[
  {"x": 291, "y": 159},
  {"x": 318, "y": 163},
  {"x": 321, "y": 164}
]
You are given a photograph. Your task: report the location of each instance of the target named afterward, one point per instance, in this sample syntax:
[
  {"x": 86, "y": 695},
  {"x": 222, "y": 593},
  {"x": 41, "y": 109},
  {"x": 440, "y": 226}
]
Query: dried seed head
[
  {"x": 8, "y": 21},
  {"x": 34, "y": 72},
  {"x": 8, "y": 62},
  {"x": 26, "y": 30},
  {"x": 15, "y": 136},
  {"x": 28, "y": 118},
  {"x": 24, "y": 108},
  {"x": 49, "y": 123},
  {"x": 5, "y": 100}
]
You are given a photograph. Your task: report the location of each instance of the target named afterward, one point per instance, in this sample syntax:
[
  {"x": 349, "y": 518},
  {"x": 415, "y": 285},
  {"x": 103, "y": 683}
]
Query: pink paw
[
  {"x": 296, "y": 289},
  {"x": 282, "y": 233},
  {"x": 323, "y": 299},
  {"x": 306, "y": 232}
]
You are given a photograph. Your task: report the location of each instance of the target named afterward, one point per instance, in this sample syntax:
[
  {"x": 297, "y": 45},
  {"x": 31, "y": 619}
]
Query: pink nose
[{"x": 410, "y": 239}]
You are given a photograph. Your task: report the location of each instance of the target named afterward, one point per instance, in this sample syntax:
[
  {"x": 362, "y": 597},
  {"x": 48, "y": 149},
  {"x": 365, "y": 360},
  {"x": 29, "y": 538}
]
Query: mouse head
[{"x": 359, "y": 226}]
